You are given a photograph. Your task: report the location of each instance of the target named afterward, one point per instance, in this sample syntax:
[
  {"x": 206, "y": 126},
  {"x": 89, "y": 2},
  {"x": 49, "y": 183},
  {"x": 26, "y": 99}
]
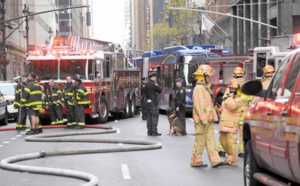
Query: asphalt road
[{"x": 162, "y": 167}]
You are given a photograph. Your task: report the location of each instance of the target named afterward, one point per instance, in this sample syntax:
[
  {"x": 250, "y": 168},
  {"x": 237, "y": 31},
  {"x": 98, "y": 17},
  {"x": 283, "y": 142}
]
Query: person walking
[
  {"x": 268, "y": 71},
  {"x": 53, "y": 101},
  {"x": 151, "y": 91},
  {"x": 204, "y": 115},
  {"x": 22, "y": 110},
  {"x": 179, "y": 104},
  {"x": 232, "y": 110},
  {"x": 68, "y": 94},
  {"x": 81, "y": 101},
  {"x": 32, "y": 99},
  {"x": 143, "y": 99}
]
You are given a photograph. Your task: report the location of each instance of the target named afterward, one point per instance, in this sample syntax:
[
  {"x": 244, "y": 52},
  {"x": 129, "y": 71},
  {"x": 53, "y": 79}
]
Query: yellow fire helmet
[
  {"x": 238, "y": 71},
  {"x": 204, "y": 70},
  {"x": 268, "y": 70},
  {"x": 234, "y": 83}
]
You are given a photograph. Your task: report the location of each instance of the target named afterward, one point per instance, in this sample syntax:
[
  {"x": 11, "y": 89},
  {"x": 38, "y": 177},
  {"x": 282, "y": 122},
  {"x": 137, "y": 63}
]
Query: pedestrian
[
  {"x": 143, "y": 99},
  {"x": 53, "y": 101},
  {"x": 151, "y": 92},
  {"x": 204, "y": 115},
  {"x": 68, "y": 94},
  {"x": 268, "y": 71},
  {"x": 179, "y": 104},
  {"x": 22, "y": 110},
  {"x": 81, "y": 101},
  {"x": 232, "y": 110},
  {"x": 32, "y": 99}
]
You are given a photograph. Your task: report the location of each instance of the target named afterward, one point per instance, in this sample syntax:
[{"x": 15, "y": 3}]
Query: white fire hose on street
[{"x": 57, "y": 137}]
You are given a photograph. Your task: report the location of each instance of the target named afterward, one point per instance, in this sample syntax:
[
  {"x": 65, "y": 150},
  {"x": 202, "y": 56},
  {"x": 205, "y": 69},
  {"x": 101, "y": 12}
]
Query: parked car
[
  {"x": 3, "y": 110},
  {"x": 272, "y": 128},
  {"x": 8, "y": 90}
]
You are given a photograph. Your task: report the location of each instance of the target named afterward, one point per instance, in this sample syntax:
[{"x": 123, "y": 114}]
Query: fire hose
[{"x": 135, "y": 145}]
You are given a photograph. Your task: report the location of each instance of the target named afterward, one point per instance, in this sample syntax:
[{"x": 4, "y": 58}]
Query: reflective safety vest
[
  {"x": 82, "y": 95},
  {"x": 20, "y": 87},
  {"x": 32, "y": 96}
]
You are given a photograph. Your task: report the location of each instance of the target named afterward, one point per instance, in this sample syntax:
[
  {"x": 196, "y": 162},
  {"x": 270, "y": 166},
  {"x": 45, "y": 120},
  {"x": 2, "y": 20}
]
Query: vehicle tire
[
  {"x": 127, "y": 108},
  {"x": 250, "y": 166},
  {"x": 132, "y": 107},
  {"x": 103, "y": 112},
  {"x": 4, "y": 121}
]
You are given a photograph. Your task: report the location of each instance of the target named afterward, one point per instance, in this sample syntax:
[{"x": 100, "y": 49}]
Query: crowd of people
[
  {"x": 231, "y": 114},
  {"x": 31, "y": 99}
]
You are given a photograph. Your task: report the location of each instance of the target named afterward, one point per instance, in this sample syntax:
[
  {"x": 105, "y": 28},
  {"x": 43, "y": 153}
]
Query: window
[
  {"x": 106, "y": 67},
  {"x": 275, "y": 91},
  {"x": 261, "y": 63},
  {"x": 292, "y": 77}
]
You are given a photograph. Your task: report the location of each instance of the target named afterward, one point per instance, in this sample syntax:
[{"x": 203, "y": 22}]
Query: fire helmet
[
  {"x": 234, "y": 83},
  {"x": 268, "y": 70},
  {"x": 204, "y": 70},
  {"x": 238, "y": 71}
]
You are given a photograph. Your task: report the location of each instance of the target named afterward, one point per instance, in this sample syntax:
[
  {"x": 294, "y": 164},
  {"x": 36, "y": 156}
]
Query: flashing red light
[
  {"x": 83, "y": 52},
  {"x": 296, "y": 39},
  {"x": 53, "y": 52},
  {"x": 37, "y": 52}
]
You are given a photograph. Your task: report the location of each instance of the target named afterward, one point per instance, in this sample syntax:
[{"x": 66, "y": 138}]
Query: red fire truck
[{"x": 113, "y": 85}]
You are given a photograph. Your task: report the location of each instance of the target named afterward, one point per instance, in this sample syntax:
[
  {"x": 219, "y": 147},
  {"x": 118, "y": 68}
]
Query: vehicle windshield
[
  {"x": 190, "y": 66},
  {"x": 48, "y": 69},
  {"x": 7, "y": 90},
  {"x": 44, "y": 69}
]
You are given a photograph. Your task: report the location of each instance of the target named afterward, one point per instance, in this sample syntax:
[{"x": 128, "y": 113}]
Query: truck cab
[{"x": 272, "y": 127}]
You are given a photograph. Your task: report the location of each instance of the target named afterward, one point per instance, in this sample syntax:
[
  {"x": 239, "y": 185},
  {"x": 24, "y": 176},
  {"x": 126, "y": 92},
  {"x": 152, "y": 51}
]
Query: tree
[{"x": 182, "y": 29}]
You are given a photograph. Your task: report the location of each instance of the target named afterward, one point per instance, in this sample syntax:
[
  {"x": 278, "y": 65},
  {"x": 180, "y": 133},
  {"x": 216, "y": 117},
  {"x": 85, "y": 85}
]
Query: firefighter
[
  {"x": 68, "y": 94},
  {"x": 143, "y": 99},
  {"x": 238, "y": 74},
  {"x": 179, "y": 104},
  {"x": 32, "y": 99},
  {"x": 268, "y": 71},
  {"x": 232, "y": 109},
  {"x": 81, "y": 101},
  {"x": 204, "y": 115},
  {"x": 53, "y": 102},
  {"x": 21, "y": 123},
  {"x": 41, "y": 111},
  {"x": 151, "y": 91}
]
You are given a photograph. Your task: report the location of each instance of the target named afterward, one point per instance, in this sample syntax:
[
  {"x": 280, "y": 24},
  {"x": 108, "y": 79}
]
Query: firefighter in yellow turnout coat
[
  {"x": 232, "y": 110},
  {"x": 204, "y": 115},
  {"x": 268, "y": 74}
]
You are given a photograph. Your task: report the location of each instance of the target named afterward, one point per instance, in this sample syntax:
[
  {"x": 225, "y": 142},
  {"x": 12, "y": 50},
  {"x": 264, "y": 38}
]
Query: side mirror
[{"x": 254, "y": 88}]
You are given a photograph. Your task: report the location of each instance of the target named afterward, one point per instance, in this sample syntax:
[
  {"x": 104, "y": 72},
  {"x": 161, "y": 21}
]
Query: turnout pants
[
  {"x": 71, "y": 117},
  {"x": 80, "y": 116},
  {"x": 56, "y": 114},
  {"x": 229, "y": 142},
  {"x": 21, "y": 123},
  {"x": 152, "y": 117},
  {"x": 205, "y": 138},
  {"x": 241, "y": 141}
]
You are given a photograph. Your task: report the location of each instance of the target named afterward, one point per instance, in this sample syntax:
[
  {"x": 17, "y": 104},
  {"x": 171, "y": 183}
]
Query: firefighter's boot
[{"x": 32, "y": 132}]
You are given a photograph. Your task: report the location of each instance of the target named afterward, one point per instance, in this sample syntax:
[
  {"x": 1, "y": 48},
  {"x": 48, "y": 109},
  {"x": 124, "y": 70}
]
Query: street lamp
[{"x": 26, "y": 13}]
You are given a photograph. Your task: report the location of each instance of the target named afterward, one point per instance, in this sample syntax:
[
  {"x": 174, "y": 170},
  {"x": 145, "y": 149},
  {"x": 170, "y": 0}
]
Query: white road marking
[
  {"x": 125, "y": 172},
  {"x": 13, "y": 138},
  {"x": 118, "y": 131},
  {"x": 120, "y": 144},
  {"x": 6, "y": 142},
  {"x": 18, "y": 136},
  {"x": 1, "y": 145}
]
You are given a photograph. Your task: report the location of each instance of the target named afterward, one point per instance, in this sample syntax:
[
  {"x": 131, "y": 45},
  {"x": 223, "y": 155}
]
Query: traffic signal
[{"x": 3, "y": 61}]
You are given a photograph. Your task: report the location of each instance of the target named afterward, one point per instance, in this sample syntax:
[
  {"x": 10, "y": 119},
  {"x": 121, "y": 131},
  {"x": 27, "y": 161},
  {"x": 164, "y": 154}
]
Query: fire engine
[{"x": 113, "y": 85}]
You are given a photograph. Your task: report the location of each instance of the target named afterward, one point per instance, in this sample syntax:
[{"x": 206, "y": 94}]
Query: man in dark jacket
[
  {"x": 32, "y": 99},
  {"x": 179, "y": 103},
  {"x": 68, "y": 94},
  {"x": 143, "y": 99},
  {"x": 151, "y": 90},
  {"x": 81, "y": 100},
  {"x": 21, "y": 123},
  {"x": 53, "y": 102}
]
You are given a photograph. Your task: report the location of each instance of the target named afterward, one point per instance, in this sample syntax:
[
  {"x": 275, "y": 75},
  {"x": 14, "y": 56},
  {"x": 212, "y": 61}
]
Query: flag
[{"x": 207, "y": 24}]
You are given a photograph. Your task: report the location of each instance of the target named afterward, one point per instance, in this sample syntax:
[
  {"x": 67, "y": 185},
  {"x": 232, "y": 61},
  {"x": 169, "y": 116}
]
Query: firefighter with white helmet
[
  {"x": 204, "y": 115},
  {"x": 232, "y": 110},
  {"x": 268, "y": 71}
]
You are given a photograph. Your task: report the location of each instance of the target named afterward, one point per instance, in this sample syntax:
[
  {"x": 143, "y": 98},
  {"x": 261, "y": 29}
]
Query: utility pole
[
  {"x": 26, "y": 12},
  {"x": 3, "y": 65}
]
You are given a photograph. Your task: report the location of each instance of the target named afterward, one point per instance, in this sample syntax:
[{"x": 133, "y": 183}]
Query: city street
[{"x": 166, "y": 166}]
